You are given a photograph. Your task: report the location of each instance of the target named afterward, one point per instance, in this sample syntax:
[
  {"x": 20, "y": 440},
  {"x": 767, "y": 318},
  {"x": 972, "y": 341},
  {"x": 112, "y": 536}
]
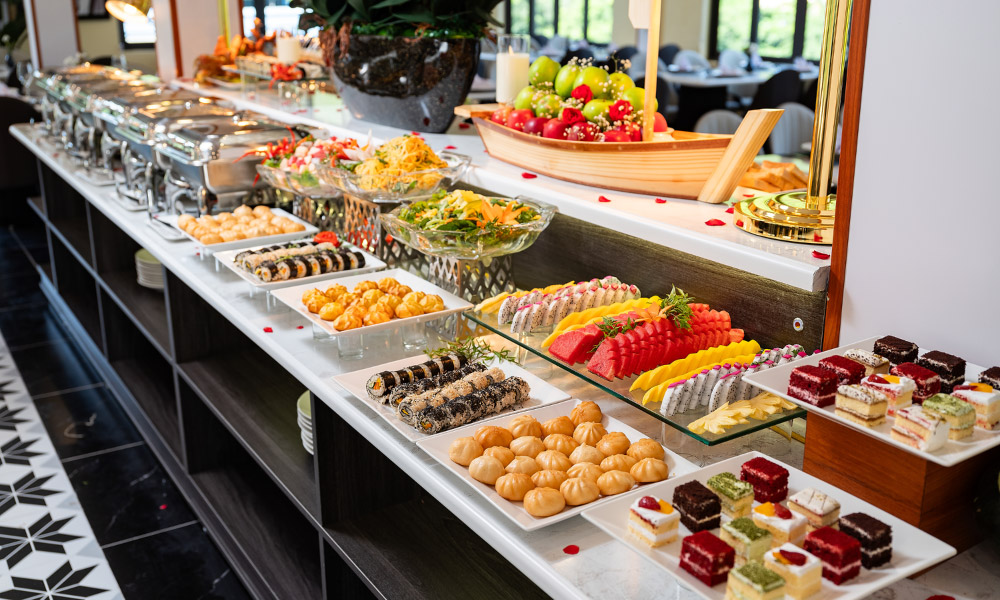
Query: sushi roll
[
  {"x": 491, "y": 400},
  {"x": 313, "y": 265},
  {"x": 443, "y": 417},
  {"x": 381, "y": 384},
  {"x": 399, "y": 393},
  {"x": 410, "y": 408},
  {"x": 325, "y": 262}
]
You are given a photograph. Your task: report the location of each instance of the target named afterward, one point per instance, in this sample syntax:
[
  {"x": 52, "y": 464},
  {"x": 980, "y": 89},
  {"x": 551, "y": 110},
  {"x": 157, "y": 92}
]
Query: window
[
  {"x": 137, "y": 33},
  {"x": 276, "y": 15},
  {"x": 589, "y": 20},
  {"x": 782, "y": 29}
]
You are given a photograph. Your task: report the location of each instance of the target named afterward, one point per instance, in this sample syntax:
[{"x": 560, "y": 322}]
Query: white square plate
[
  {"x": 227, "y": 257},
  {"x": 775, "y": 380},
  {"x": 912, "y": 549},
  {"x": 437, "y": 446},
  {"x": 356, "y": 383},
  {"x": 209, "y": 249},
  {"x": 292, "y": 296}
]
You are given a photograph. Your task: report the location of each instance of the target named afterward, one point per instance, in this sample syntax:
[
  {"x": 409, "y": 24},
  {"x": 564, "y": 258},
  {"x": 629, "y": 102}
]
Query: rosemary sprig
[
  {"x": 475, "y": 350},
  {"x": 676, "y": 308},
  {"x": 610, "y": 328}
]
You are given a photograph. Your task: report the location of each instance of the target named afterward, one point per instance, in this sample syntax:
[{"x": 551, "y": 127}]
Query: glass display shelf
[{"x": 619, "y": 388}]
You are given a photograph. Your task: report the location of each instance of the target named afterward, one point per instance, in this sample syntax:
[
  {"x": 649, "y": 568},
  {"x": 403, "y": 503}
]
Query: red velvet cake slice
[
  {"x": 848, "y": 372},
  {"x": 928, "y": 382},
  {"x": 840, "y": 553},
  {"x": 769, "y": 481},
  {"x": 707, "y": 557},
  {"x": 814, "y": 385}
]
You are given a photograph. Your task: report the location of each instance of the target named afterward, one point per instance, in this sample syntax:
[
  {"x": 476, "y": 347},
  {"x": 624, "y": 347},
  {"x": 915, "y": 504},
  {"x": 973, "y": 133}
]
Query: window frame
[
  {"x": 507, "y": 16},
  {"x": 129, "y": 45},
  {"x": 798, "y": 35}
]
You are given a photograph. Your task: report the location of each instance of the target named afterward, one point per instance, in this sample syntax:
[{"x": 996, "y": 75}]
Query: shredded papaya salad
[
  {"x": 400, "y": 165},
  {"x": 470, "y": 215}
]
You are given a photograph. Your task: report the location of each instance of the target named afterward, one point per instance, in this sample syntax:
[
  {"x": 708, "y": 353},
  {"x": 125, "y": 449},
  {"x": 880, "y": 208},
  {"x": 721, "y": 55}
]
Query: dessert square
[
  {"x": 928, "y": 382},
  {"x": 896, "y": 350},
  {"x": 769, "y": 481},
  {"x": 653, "y": 521},
  {"x": 920, "y": 429},
  {"x": 784, "y": 525},
  {"x": 958, "y": 413},
  {"x": 839, "y": 552},
  {"x": 991, "y": 377},
  {"x": 898, "y": 390},
  {"x": 873, "y": 363},
  {"x": 861, "y": 405},
  {"x": 802, "y": 572},
  {"x": 819, "y": 509},
  {"x": 874, "y": 536},
  {"x": 846, "y": 370},
  {"x": 814, "y": 385},
  {"x": 754, "y": 581},
  {"x": 707, "y": 557},
  {"x": 699, "y": 506},
  {"x": 985, "y": 400},
  {"x": 736, "y": 496},
  {"x": 950, "y": 368},
  {"x": 749, "y": 541}
]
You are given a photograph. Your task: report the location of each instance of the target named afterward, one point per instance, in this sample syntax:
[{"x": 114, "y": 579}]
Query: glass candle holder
[{"x": 513, "y": 61}]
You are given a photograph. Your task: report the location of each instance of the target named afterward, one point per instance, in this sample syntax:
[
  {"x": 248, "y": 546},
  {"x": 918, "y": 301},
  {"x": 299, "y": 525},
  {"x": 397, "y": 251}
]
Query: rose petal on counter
[
  {"x": 820, "y": 255},
  {"x": 714, "y": 223},
  {"x": 268, "y": 330},
  {"x": 603, "y": 199},
  {"x": 527, "y": 175},
  {"x": 571, "y": 549},
  {"x": 730, "y": 210},
  {"x": 464, "y": 126},
  {"x": 660, "y": 201}
]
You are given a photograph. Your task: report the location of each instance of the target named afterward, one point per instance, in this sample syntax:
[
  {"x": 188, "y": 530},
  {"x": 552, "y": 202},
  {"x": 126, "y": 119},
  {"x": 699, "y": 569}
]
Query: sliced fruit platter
[{"x": 677, "y": 359}]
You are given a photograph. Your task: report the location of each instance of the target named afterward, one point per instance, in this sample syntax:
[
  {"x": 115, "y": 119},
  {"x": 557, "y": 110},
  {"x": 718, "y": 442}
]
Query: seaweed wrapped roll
[
  {"x": 380, "y": 384},
  {"x": 420, "y": 386},
  {"x": 410, "y": 408},
  {"x": 489, "y": 401}
]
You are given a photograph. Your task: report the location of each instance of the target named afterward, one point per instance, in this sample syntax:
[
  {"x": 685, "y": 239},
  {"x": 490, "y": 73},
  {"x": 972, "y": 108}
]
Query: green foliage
[{"x": 405, "y": 18}]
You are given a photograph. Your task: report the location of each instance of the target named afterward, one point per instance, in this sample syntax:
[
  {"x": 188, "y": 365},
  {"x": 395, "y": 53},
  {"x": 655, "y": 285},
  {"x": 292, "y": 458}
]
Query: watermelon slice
[
  {"x": 736, "y": 335},
  {"x": 574, "y": 346},
  {"x": 604, "y": 363}
]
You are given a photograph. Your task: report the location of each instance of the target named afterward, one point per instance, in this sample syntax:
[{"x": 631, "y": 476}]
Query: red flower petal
[
  {"x": 163, "y": 507},
  {"x": 527, "y": 175},
  {"x": 817, "y": 237},
  {"x": 729, "y": 210},
  {"x": 714, "y": 223},
  {"x": 940, "y": 597},
  {"x": 660, "y": 201},
  {"x": 820, "y": 255},
  {"x": 268, "y": 330},
  {"x": 464, "y": 126},
  {"x": 416, "y": 133},
  {"x": 603, "y": 199},
  {"x": 739, "y": 223},
  {"x": 300, "y": 326},
  {"x": 748, "y": 195},
  {"x": 450, "y": 148},
  {"x": 571, "y": 549}
]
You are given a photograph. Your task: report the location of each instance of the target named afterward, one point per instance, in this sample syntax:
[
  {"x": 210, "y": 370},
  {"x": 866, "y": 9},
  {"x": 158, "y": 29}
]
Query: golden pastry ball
[
  {"x": 614, "y": 482},
  {"x": 577, "y": 491},
  {"x": 486, "y": 469},
  {"x": 561, "y": 443},
  {"x": 513, "y": 486},
  {"x": 549, "y": 478},
  {"x": 527, "y": 446},
  {"x": 553, "y": 460},
  {"x": 589, "y": 433},
  {"x": 650, "y": 470},
  {"x": 544, "y": 502},
  {"x": 558, "y": 425},
  {"x": 586, "y": 412},
  {"x": 491, "y": 435},
  {"x": 645, "y": 448},
  {"x": 586, "y": 470},
  {"x": 525, "y": 425},
  {"x": 504, "y": 455},
  {"x": 613, "y": 443},
  {"x": 464, "y": 450}
]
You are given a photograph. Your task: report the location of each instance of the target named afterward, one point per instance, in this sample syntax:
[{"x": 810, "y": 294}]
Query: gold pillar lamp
[
  {"x": 128, "y": 10},
  {"x": 808, "y": 216}
]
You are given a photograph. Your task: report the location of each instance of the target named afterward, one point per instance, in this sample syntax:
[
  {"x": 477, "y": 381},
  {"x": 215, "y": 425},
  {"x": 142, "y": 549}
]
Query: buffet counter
[{"x": 676, "y": 224}]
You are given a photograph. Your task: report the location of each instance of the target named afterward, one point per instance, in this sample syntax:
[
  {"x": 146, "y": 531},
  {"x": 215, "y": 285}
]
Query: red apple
[
  {"x": 582, "y": 132},
  {"x": 632, "y": 130},
  {"x": 518, "y": 118},
  {"x": 659, "y": 122},
  {"x": 500, "y": 114},
  {"x": 555, "y": 129},
  {"x": 536, "y": 126},
  {"x": 615, "y": 135}
]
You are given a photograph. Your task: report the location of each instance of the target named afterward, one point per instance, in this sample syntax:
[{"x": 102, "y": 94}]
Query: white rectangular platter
[
  {"x": 437, "y": 446},
  {"x": 292, "y": 296},
  {"x": 209, "y": 249},
  {"x": 775, "y": 380},
  {"x": 912, "y": 549},
  {"x": 227, "y": 257},
  {"x": 541, "y": 393}
]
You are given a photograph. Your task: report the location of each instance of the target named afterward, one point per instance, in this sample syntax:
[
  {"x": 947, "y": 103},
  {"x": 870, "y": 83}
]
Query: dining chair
[
  {"x": 625, "y": 53},
  {"x": 794, "y": 128},
  {"x": 733, "y": 59},
  {"x": 718, "y": 121},
  {"x": 783, "y": 86},
  {"x": 693, "y": 58},
  {"x": 668, "y": 52},
  {"x": 665, "y": 96},
  {"x": 580, "y": 54}
]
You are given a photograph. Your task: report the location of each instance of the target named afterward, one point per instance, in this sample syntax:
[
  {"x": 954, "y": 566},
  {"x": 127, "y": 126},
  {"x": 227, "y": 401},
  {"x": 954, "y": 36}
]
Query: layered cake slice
[
  {"x": 958, "y": 413},
  {"x": 699, "y": 506},
  {"x": 749, "y": 541},
  {"x": 802, "y": 572},
  {"x": 846, "y": 370},
  {"x": 873, "y": 363},
  {"x": 898, "y": 390},
  {"x": 819, "y": 509},
  {"x": 736, "y": 496},
  {"x": 928, "y": 382},
  {"x": 839, "y": 552},
  {"x": 991, "y": 377},
  {"x": 861, "y": 405},
  {"x": 985, "y": 400},
  {"x": 754, "y": 581},
  {"x": 919, "y": 429},
  {"x": 814, "y": 385},
  {"x": 896, "y": 350},
  {"x": 950, "y": 368},
  {"x": 769, "y": 481},
  {"x": 707, "y": 557},
  {"x": 653, "y": 521},
  {"x": 784, "y": 525},
  {"x": 874, "y": 536}
]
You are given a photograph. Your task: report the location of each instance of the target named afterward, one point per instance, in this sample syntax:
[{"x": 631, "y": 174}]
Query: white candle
[
  {"x": 287, "y": 49},
  {"x": 512, "y": 74}
]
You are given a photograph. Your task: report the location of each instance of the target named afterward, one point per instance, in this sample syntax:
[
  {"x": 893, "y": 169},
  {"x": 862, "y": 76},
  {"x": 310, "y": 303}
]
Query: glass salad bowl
[
  {"x": 471, "y": 242},
  {"x": 306, "y": 184},
  {"x": 396, "y": 188}
]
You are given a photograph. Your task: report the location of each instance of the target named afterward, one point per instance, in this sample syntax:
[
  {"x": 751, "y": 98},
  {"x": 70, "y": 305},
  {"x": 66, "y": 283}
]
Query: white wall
[
  {"x": 924, "y": 250},
  {"x": 99, "y": 37},
  {"x": 56, "y": 28},
  {"x": 685, "y": 23}
]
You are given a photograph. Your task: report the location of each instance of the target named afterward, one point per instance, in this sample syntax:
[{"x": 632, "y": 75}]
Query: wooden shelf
[
  {"x": 147, "y": 308},
  {"x": 76, "y": 236},
  {"x": 152, "y": 386},
  {"x": 37, "y": 204}
]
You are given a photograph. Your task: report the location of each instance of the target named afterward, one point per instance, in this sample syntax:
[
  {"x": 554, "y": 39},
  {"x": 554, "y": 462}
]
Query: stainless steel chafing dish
[
  {"x": 55, "y": 87},
  {"x": 203, "y": 161},
  {"x": 82, "y": 99}
]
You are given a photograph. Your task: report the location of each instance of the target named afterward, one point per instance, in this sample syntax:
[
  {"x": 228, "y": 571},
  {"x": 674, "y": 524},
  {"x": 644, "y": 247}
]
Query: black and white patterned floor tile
[{"x": 47, "y": 548}]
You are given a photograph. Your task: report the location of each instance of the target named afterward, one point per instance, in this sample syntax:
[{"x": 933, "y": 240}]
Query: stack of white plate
[
  {"x": 149, "y": 270},
  {"x": 305, "y": 422}
]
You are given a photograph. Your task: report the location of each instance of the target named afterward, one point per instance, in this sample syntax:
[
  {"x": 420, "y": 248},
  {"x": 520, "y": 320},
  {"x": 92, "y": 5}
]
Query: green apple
[
  {"x": 596, "y": 79},
  {"x": 619, "y": 82},
  {"x": 525, "y": 97},
  {"x": 543, "y": 71},
  {"x": 597, "y": 110},
  {"x": 637, "y": 97},
  {"x": 565, "y": 79},
  {"x": 549, "y": 105}
]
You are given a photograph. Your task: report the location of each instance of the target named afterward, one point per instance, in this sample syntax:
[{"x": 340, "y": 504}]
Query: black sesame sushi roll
[
  {"x": 446, "y": 416},
  {"x": 497, "y": 398}
]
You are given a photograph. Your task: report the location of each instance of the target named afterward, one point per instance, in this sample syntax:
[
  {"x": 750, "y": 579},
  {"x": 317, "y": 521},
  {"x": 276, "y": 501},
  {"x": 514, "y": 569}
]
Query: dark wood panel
[
  {"x": 571, "y": 249},
  {"x": 196, "y": 328},
  {"x": 146, "y": 307},
  {"x": 78, "y": 288},
  {"x": 340, "y": 582}
]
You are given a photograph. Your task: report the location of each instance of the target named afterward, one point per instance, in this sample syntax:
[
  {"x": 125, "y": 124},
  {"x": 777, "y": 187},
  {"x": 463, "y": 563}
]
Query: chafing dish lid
[
  {"x": 207, "y": 140},
  {"x": 145, "y": 122}
]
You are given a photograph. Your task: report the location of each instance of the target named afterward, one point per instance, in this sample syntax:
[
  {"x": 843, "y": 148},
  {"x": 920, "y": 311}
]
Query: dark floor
[{"x": 154, "y": 544}]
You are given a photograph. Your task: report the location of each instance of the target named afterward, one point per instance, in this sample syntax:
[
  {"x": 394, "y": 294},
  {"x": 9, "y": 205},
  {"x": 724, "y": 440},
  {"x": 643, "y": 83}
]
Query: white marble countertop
[
  {"x": 677, "y": 224},
  {"x": 603, "y": 568}
]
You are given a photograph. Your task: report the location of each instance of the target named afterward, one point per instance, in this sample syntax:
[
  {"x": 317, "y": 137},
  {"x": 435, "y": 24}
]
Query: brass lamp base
[{"x": 786, "y": 216}]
